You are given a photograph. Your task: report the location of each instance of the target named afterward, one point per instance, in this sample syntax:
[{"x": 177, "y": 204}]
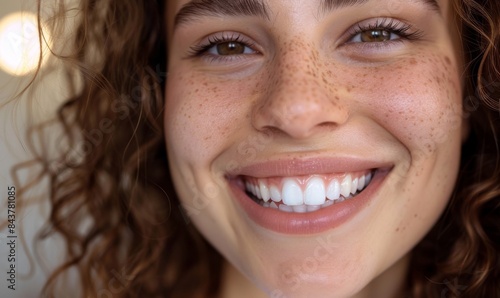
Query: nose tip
[{"x": 300, "y": 106}]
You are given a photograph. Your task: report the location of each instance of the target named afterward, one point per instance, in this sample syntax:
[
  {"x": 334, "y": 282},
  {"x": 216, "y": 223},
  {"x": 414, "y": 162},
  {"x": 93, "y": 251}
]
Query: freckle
[
  {"x": 413, "y": 61},
  {"x": 447, "y": 60}
]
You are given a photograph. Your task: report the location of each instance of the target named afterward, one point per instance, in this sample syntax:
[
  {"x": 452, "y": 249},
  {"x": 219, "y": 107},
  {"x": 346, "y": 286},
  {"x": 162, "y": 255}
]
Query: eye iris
[
  {"x": 377, "y": 35},
  {"x": 230, "y": 48}
]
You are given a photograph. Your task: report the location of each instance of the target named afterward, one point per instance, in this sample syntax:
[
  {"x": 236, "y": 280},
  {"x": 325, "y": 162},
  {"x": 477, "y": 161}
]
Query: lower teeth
[{"x": 300, "y": 208}]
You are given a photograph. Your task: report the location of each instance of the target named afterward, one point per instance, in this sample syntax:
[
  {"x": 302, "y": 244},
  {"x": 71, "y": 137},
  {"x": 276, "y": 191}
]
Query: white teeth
[
  {"x": 345, "y": 186},
  {"x": 368, "y": 178},
  {"x": 257, "y": 192},
  {"x": 354, "y": 186},
  {"x": 315, "y": 192},
  {"x": 313, "y": 208},
  {"x": 292, "y": 193},
  {"x": 361, "y": 183},
  {"x": 264, "y": 191},
  {"x": 285, "y": 208},
  {"x": 333, "y": 191},
  {"x": 300, "y": 208},
  {"x": 275, "y": 194}
]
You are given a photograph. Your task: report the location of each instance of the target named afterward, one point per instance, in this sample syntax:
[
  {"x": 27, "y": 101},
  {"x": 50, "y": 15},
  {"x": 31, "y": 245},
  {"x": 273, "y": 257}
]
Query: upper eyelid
[
  {"x": 226, "y": 36},
  {"x": 370, "y": 24},
  {"x": 380, "y": 23}
]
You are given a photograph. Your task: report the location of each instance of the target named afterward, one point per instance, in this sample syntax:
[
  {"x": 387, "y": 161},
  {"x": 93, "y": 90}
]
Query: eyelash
[{"x": 404, "y": 31}]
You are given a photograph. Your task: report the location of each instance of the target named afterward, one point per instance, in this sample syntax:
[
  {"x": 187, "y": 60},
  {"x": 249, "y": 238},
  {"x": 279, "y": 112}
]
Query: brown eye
[
  {"x": 375, "y": 35},
  {"x": 230, "y": 48}
]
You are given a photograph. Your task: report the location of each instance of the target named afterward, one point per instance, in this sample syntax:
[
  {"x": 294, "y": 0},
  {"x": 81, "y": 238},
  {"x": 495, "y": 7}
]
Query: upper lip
[{"x": 309, "y": 166}]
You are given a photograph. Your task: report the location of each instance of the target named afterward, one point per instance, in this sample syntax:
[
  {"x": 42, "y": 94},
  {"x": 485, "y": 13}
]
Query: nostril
[
  {"x": 297, "y": 124},
  {"x": 327, "y": 124}
]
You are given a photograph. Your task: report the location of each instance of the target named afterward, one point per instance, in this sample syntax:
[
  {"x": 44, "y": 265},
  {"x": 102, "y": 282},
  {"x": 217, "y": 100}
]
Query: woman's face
[{"x": 314, "y": 143}]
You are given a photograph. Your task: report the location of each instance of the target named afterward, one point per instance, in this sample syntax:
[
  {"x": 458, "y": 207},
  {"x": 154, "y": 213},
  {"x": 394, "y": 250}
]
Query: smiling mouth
[
  {"x": 307, "y": 196},
  {"x": 304, "y": 194}
]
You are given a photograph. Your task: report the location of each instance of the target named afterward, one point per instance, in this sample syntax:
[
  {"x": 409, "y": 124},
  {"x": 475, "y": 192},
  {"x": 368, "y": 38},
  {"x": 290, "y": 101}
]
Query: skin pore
[{"x": 254, "y": 91}]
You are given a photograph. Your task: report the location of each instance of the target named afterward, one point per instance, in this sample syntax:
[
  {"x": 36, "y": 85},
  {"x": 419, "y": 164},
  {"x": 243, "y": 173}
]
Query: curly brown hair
[{"x": 114, "y": 204}]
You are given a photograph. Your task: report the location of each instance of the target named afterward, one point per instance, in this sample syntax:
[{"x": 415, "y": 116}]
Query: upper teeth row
[{"x": 316, "y": 192}]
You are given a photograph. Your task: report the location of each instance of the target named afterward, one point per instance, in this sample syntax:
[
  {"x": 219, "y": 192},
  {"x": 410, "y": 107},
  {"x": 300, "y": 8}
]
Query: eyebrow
[
  {"x": 329, "y": 5},
  {"x": 200, "y": 8}
]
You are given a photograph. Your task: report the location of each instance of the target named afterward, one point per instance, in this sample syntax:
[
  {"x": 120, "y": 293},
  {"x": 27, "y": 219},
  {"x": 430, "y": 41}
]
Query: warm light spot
[{"x": 19, "y": 43}]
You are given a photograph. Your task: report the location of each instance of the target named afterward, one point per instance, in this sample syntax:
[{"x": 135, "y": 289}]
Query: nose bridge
[
  {"x": 296, "y": 73},
  {"x": 299, "y": 96}
]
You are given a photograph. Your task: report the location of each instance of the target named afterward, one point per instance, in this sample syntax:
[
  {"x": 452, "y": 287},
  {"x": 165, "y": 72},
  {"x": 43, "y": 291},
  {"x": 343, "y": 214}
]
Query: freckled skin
[{"x": 305, "y": 99}]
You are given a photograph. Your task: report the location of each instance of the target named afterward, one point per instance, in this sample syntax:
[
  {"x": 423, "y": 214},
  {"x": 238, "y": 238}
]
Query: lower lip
[{"x": 312, "y": 222}]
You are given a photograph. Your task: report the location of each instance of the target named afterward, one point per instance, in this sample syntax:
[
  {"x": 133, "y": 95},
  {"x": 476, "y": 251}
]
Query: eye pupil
[
  {"x": 230, "y": 48},
  {"x": 377, "y": 35}
]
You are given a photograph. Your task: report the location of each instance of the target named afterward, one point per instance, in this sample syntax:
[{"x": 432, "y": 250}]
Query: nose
[{"x": 300, "y": 97}]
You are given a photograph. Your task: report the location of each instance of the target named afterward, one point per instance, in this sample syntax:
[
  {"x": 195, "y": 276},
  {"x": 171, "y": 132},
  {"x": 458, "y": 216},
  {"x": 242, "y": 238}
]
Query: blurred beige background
[{"x": 14, "y": 121}]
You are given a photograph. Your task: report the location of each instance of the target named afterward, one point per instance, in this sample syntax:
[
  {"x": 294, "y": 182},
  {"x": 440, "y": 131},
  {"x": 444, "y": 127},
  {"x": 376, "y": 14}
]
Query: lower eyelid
[
  {"x": 373, "y": 50},
  {"x": 222, "y": 62}
]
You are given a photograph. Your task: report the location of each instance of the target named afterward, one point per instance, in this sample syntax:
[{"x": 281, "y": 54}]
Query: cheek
[
  {"x": 419, "y": 102},
  {"x": 421, "y": 107},
  {"x": 201, "y": 114}
]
